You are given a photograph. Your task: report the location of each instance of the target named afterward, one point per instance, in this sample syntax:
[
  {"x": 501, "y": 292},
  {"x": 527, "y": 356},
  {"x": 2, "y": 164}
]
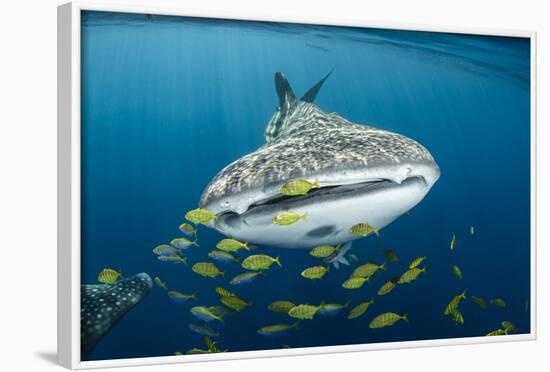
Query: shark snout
[{"x": 429, "y": 172}]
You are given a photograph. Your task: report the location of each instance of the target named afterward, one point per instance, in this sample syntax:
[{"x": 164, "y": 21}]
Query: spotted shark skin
[{"x": 102, "y": 305}]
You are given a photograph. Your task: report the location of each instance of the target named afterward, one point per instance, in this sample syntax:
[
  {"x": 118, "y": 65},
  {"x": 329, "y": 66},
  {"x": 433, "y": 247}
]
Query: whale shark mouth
[
  {"x": 334, "y": 191},
  {"x": 330, "y": 210},
  {"x": 376, "y": 194}
]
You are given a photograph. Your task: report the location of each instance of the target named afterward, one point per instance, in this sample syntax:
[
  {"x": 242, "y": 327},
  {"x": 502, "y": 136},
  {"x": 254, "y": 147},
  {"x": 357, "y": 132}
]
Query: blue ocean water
[{"x": 169, "y": 101}]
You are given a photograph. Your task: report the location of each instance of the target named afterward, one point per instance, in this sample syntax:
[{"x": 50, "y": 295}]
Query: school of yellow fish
[{"x": 255, "y": 265}]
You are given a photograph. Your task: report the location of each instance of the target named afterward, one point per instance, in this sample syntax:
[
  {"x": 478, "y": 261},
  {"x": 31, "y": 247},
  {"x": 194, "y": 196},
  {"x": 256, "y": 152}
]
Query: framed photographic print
[{"x": 235, "y": 185}]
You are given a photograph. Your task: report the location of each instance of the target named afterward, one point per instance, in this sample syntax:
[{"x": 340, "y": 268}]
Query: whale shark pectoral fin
[
  {"x": 343, "y": 261},
  {"x": 340, "y": 256},
  {"x": 284, "y": 91},
  {"x": 310, "y": 95},
  {"x": 345, "y": 248}
]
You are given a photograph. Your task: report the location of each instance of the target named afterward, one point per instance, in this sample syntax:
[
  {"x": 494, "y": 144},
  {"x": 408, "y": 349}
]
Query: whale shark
[
  {"x": 102, "y": 305},
  {"x": 366, "y": 175}
]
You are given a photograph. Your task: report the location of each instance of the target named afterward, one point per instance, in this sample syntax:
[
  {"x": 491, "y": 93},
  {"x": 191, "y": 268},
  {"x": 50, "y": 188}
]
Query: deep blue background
[{"x": 167, "y": 103}]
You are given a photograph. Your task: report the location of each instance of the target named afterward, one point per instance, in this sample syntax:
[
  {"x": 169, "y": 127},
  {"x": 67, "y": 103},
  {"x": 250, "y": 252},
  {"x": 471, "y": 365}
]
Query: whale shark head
[
  {"x": 102, "y": 305},
  {"x": 366, "y": 175}
]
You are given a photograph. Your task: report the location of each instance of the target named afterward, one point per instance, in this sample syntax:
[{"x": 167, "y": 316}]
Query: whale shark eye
[{"x": 225, "y": 203}]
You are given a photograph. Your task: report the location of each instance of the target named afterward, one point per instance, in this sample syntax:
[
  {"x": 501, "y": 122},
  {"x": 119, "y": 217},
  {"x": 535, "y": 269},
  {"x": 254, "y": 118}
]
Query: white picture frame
[{"x": 69, "y": 186}]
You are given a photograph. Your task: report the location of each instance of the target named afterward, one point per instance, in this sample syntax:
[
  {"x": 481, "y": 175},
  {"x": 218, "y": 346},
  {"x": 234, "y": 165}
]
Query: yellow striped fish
[
  {"x": 224, "y": 292},
  {"x": 108, "y": 276},
  {"x": 387, "y": 319},
  {"x": 453, "y": 242},
  {"x": 417, "y": 261},
  {"x": 453, "y": 305},
  {"x": 363, "y": 229},
  {"x": 360, "y": 309}
]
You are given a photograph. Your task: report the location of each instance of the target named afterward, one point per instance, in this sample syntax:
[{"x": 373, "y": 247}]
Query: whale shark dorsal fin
[
  {"x": 287, "y": 100},
  {"x": 287, "y": 104},
  {"x": 284, "y": 91},
  {"x": 310, "y": 95}
]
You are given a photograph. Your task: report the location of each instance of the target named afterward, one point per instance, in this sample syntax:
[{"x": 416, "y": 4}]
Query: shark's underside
[{"x": 367, "y": 175}]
